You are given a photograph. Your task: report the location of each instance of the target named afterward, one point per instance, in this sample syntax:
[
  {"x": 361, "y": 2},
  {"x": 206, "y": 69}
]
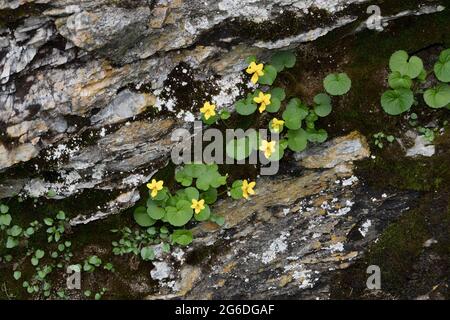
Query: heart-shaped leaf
[
  {"x": 337, "y": 84},
  {"x": 236, "y": 190},
  {"x": 297, "y": 140},
  {"x": 147, "y": 253},
  {"x": 401, "y": 62},
  {"x": 395, "y": 102},
  {"x": 397, "y": 80},
  {"x": 442, "y": 67},
  {"x": 203, "y": 215},
  {"x": 270, "y": 74},
  {"x": 244, "y": 108},
  {"x": 294, "y": 114},
  {"x": 5, "y": 219},
  {"x": 182, "y": 237},
  {"x": 142, "y": 218},
  {"x": 179, "y": 216},
  {"x": 154, "y": 211},
  {"x": 437, "y": 97},
  {"x": 322, "y": 105},
  {"x": 283, "y": 59}
]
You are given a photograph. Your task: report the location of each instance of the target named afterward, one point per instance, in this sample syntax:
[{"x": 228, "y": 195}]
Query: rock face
[
  {"x": 291, "y": 238},
  {"x": 81, "y": 81}
]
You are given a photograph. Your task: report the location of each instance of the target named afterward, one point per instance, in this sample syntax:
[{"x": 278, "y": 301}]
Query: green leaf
[
  {"x": 61, "y": 215},
  {"x": 442, "y": 67},
  {"x": 147, "y": 253},
  {"x": 294, "y": 114},
  {"x": 182, "y": 237},
  {"x": 401, "y": 62},
  {"x": 318, "y": 136},
  {"x": 283, "y": 59},
  {"x": 142, "y": 218},
  {"x": 217, "y": 219},
  {"x": 250, "y": 59},
  {"x": 191, "y": 193},
  {"x": 236, "y": 190},
  {"x": 11, "y": 243},
  {"x": 179, "y": 216},
  {"x": 154, "y": 211},
  {"x": 39, "y": 254},
  {"x": 210, "y": 195},
  {"x": 203, "y": 215},
  {"x": 437, "y": 97},
  {"x": 17, "y": 275},
  {"x": 195, "y": 170},
  {"x": 270, "y": 74},
  {"x": 239, "y": 149},
  {"x": 297, "y": 140},
  {"x": 210, "y": 178},
  {"x": 274, "y": 105},
  {"x": 278, "y": 93},
  {"x": 244, "y": 108},
  {"x": 395, "y": 102},
  {"x": 5, "y": 219},
  {"x": 48, "y": 221},
  {"x": 34, "y": 261},
  {"x": 397, "y": 80},
  {"x": 337, "y": 84},
  {"x": 210, "y": 120},
  {"x": 322, "y": 105},
  {"x": 224, "y": 115},
  {"x": 15, "y": 231},
  {"x": 4, "y": 208},
  {"x": 183, "y": 178}
]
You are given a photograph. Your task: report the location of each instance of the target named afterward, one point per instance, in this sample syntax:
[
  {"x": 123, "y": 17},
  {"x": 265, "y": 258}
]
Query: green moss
[{"x": 397, "y": 249}]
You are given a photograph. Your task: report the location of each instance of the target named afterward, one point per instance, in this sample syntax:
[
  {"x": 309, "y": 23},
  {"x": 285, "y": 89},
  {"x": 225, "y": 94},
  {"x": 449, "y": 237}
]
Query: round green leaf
[
  {"x": 401, "y": 62},
  {"x": 191, "y": 193},
  {"x": 294, "y": 114},
  {"x": 210, "y": 195},
  {"x": 270, "y": 74},
  {"x": 274, "y": 105},
  {"x": 322, "y": 105},
  {"x": 397, "y": 80},
  {"x": 297, "y": 140},
  {"x": 244, "y": 108},
  {"x": 203, "y": 215},
  {"x": 236, "y": 190},
  {"x": 278, "y": 93},
  {"x": 318, "y": 136},
  {"x": 178, "y": 216},
  {"x": 17, "y": 275},
  {"x": 395, "y": 102},
  {"x": 182, "y": 178},
  {"x": 283, "y": 59},
  {"x": 142, "y": 218},
  {"x": 4, "y": 208},
  {"x": 147, "y": 253},
  {"x": 182, "y": 237},
  {"x": 155, "y": 212},
  {"x": 15, "y": 231},
  {"x": 239, "y": 149},
  {"x": 337, "y": 84},
  {"x": 442, "y": 67},
  {"x": 5, "y": 219},
  {"x": 437, "y": 97}
]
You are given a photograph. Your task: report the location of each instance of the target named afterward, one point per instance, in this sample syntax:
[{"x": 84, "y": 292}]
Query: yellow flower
[
  {"x": 256, "y": 70},
  {"x": 198, "y": 205},
  {"x": 247, "y": 188},
  {"x": 277, "y": 124},
  {"x": 208, "y": 110},
  {"x": 155, "y": 186},
  {"x": 263, "y": 99},
  {"x": 267, "y": 147}
]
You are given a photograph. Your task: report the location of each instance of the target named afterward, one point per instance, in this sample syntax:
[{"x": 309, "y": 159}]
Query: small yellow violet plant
[
  {"x": 208, "y": 110},
  {"x": 256, "y": 70},
  {"x": 268, "y": 147},
  {"x": 263, "y": 100},
  {"x": 198, "y": 205},
  {"x": 277, "y": 125},
  {"x": 155, "y": 186}
]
